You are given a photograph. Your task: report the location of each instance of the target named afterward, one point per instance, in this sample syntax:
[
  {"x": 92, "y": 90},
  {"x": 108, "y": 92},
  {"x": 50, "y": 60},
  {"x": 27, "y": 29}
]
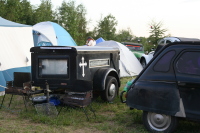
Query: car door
[{"x": 187, "y": 70}]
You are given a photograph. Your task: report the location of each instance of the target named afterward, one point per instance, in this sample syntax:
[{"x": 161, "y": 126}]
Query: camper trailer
[{"x": 78, "y": 69}]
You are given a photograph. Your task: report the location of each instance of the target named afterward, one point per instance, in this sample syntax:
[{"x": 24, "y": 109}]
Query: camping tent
[
  {"x": 50, "y": 33},
  {"x": 99, "y": 40},
  {"x": 128, "y": 64},
  {"x": 16, "y": 41}
]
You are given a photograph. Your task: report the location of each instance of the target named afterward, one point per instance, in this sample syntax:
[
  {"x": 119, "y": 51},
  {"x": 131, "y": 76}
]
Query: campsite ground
[{"x": 111, "y": 118}]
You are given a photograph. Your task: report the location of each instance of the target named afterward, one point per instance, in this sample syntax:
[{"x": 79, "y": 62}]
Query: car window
[
  {"x": 136, "y": 48},
  {"x": 168, "y": 41},
  {"x": 162, "y": 41},
  {"x": 189, "y": 63},
  {"x": 163, "y": 63}
]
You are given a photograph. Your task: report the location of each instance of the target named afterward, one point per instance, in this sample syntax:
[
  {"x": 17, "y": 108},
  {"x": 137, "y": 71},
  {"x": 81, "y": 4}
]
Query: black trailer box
[{"x": 79, "y": 68}]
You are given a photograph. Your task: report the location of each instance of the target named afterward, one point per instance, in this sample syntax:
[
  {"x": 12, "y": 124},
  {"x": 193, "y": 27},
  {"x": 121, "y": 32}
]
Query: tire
[
  {"x": 111, "y": 88},
  {"x": 143, "y": 63},
  {"x": 157, "y": 123}
]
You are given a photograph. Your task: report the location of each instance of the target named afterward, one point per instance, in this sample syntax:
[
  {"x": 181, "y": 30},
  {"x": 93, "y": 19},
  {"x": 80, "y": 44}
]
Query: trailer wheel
[
  {"x": 159, "y": 122},
  {"x": 111, "y": 88}
]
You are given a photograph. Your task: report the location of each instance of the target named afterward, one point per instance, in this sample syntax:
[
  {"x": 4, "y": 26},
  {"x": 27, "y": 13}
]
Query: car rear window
[{"x": 164, "y": 62}]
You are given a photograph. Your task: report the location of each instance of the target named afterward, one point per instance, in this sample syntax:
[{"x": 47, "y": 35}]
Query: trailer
[{"x": 62, "y": 69}]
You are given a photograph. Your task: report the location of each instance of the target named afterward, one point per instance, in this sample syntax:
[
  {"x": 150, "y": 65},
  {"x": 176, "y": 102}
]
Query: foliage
[
  {"x": 44, "y": 12},
  {"x": 106, "y": 27},
  {"x": 12, "y": 9},
  {"x": 21, "y": 11},
  {"x": 3, "y": 8},
  {"x": 26, "y": 16},
  {"x": 124, "y": 35},
  {"x": 73, "y": 19},
  {"x": 156, "y": 32}
]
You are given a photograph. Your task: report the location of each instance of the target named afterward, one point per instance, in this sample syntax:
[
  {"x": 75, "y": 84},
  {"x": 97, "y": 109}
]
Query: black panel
[{"x": 20, "y": 78}]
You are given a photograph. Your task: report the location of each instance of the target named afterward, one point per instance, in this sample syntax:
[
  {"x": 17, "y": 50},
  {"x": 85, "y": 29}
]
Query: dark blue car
[{"x": 168, "y": 88}]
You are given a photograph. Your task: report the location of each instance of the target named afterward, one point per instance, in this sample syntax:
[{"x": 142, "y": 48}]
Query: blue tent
[
  {"x": 99, "y": 40},
  {"x": 2, "y": 80},
  {"x": 51, "y": 34},
  {"x": 7, "y": 23}
]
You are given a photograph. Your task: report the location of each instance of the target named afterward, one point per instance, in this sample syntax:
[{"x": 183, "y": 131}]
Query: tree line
[{"x": 72, "y": 18}]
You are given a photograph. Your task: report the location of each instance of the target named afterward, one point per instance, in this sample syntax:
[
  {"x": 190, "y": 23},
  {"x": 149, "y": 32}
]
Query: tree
[
  {"x": 73, "y": 19},
  {"x": 26, "y": 16},
  {"x": 124, "y": 35},
  {"x": 156, "y": 32},
  {"x": 3, "y": 8},
  {"x": 12, "y": 10},
  {"x": 106, "y": 28},
  {"x": 44, "y": 12}
]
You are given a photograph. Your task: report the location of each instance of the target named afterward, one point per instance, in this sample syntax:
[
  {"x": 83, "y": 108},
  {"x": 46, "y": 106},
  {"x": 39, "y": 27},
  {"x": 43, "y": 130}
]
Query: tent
[
  {"x": 51, "y": 34},
  {"x": 99, "y": 40},
  {"x": 129, "y": 64},
  {"x": 16, "y": 41}
]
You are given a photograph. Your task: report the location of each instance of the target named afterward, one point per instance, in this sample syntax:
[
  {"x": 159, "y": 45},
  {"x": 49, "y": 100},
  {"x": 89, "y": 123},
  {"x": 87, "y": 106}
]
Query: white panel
[
  {"x": 46, "y": 29},
  {"x": 15, "y": 45}
]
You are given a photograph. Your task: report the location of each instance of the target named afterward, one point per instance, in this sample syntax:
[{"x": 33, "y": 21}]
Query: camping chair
[
  {"x": 79, "y": 98},
  {"x": 21, "y": 85}
]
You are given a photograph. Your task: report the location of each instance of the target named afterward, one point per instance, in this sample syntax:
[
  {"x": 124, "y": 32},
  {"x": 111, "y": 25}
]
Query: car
[
  {"x": 136, "y": 48},
  {"x": 168, "y": 88},
  {"x": 145, "y": 58}
]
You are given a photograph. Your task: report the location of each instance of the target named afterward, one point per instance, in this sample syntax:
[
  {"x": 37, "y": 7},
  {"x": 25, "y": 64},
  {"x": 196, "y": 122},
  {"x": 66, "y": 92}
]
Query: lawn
[{"x": 113, "y": 117}]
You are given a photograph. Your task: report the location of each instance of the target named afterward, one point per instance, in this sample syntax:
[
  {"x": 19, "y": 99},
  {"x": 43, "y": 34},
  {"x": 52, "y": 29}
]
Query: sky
[{"x": 181, "y": 18}]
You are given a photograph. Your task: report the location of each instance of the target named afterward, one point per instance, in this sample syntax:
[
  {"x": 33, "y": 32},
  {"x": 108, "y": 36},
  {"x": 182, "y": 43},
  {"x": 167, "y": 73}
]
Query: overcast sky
[{"x": 180, "y": 17}]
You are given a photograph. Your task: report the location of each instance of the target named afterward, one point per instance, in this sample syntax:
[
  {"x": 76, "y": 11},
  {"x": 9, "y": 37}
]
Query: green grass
[{"x": 113, "y": 117}]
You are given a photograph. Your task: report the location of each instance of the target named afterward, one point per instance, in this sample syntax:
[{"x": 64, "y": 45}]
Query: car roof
[
  {"x": 176, "y": 39},
  {"x": 131, "y": 43},
  {"x": 182, "y": 39},
  {"x": 177, "y": 43}
]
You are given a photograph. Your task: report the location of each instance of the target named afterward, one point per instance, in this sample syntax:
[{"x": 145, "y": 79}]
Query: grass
[{"x": 113, "y": 117}]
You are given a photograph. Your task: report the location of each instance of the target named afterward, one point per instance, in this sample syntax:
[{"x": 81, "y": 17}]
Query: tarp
[
  {"x": 51, "y": 34},
  {"x": 129, "y": 65},
  {"x": 15, "y": 41}
]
